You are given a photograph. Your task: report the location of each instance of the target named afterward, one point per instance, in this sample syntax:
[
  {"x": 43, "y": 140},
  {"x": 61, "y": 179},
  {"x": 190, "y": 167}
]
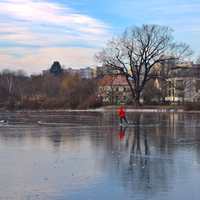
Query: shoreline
[
  {"x": 144, "y": 107},
  {"x": 128, "y": 108},
  {"x": 149, "y": 108}
]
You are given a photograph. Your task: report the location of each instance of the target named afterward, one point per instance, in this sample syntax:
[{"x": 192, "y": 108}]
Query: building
[
  {"x": 181, "y": 63},
  {"x": 114, "y": 89},
  {"x": 97, "y": 72},
  {"x": 142, "y": 71},
  {"x": 104, "y": 70},
  {"x": 86, "y": 73},
  {"x": 44, "y": 72},
  {"x": 71, "y": 71},
  {"x": 184, "y": 85},
  {"x": 178, "y": 81}
]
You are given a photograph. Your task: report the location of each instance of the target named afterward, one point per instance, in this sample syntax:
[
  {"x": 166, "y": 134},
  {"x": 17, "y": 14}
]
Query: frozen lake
[{"x": 80, "y": 155}]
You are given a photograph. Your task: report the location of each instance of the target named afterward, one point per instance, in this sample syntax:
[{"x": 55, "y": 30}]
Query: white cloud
[
  {"x": 51, "y": 14},
  {"x": 35, "y": 62},
  {"x": 47, "y": 36},
  {"x": 30, "y": 22},
  {"x": 35, "y": 33}
]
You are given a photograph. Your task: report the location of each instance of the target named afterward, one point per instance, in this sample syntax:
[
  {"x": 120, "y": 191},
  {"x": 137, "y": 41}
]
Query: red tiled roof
[{"x": 114, "y": 80}]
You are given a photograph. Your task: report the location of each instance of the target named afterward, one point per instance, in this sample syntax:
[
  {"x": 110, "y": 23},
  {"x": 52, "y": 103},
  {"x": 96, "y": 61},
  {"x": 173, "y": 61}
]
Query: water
[{"x": 87, "y": 155}]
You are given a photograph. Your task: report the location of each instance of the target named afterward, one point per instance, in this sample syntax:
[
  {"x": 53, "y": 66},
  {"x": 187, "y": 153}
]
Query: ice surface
[{"x": 88, "y": 155}]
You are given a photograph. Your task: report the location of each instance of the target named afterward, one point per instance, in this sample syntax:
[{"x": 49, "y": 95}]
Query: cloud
[
  {"x": 50, "y": 14},
  {"x": 34, "y": 62},
  {"x": 47, "y": 37},
  {"x": 35, "y": 33},
  {"x": 30, "y": 22}
]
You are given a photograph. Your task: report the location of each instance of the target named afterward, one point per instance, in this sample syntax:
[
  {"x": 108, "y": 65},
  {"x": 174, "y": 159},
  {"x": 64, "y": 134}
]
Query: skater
[{"x": 122, "y": 115}]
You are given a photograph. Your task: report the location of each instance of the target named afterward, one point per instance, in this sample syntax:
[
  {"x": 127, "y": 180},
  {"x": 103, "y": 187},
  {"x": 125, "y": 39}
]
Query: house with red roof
[{"x": 114, "y": 89}]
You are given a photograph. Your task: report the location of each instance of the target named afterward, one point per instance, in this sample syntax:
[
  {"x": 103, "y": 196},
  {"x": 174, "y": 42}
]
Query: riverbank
[
  {"x": 191, "y": 107},
  {"x": 144, "y": 107},
  {"x": 186, "y": 107}
]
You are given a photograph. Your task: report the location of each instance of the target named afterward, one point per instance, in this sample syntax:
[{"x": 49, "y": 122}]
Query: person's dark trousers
[{"x": 124, "y": 120}]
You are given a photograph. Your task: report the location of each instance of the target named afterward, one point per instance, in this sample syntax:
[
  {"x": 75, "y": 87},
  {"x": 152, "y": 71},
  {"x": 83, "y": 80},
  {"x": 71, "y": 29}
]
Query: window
[
  {"x": 179, "y": 83},
  {"x": 124, "y": 89},
  {"x": 124, "y": 97},
  {"x": 117, "y": 89}
]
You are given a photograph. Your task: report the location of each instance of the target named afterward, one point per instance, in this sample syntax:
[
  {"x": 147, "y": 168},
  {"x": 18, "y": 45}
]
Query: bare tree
[
  {"x": 51, "y": 86},
  {"x": 7, "y": 78},
  {"x": 21, "y": 84},
  {"x": 136, "y": 52}
]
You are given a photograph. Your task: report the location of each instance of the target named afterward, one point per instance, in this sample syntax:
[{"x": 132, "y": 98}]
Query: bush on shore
[
  {"x": 93, "y": 101},
  {"x": 191, "y": 106}
]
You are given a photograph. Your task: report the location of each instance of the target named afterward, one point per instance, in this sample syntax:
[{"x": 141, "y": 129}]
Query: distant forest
[{"x": 54, "y": 90}]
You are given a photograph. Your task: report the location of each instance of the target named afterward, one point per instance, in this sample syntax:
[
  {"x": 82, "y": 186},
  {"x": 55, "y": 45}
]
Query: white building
[
  {"x": 82, "y": 72},
  {"x": 184, "y": 85}
]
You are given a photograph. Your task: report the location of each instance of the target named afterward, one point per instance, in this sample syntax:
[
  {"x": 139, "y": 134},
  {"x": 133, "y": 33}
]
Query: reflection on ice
[{"x": 87, "y": 155}]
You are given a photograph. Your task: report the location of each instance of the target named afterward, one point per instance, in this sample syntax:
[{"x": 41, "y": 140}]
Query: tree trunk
[
  {"x": 183, "y": 98},
  {"x": 137, "y": 99},
  {"x": 9, "y": 81}
]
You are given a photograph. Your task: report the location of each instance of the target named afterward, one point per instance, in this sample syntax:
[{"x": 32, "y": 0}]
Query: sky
[{"x": 35, "y": 33}]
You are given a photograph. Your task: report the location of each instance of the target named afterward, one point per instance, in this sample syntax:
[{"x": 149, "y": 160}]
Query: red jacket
[{"x": 121, "y": 113}]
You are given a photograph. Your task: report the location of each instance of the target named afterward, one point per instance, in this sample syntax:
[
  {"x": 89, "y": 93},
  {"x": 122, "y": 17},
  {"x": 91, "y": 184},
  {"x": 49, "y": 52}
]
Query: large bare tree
[{"x": 136, "y": 52}]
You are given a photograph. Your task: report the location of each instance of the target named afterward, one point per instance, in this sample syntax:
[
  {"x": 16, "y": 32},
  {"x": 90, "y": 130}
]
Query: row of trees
[
  {"x": 134, "y": 54},
  {"x": 17, "y": 90}
]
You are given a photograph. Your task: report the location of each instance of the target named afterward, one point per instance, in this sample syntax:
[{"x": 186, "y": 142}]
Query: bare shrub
[
  {"x": 191, "y": 106},
  {"x": 92, "y": 101}
]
